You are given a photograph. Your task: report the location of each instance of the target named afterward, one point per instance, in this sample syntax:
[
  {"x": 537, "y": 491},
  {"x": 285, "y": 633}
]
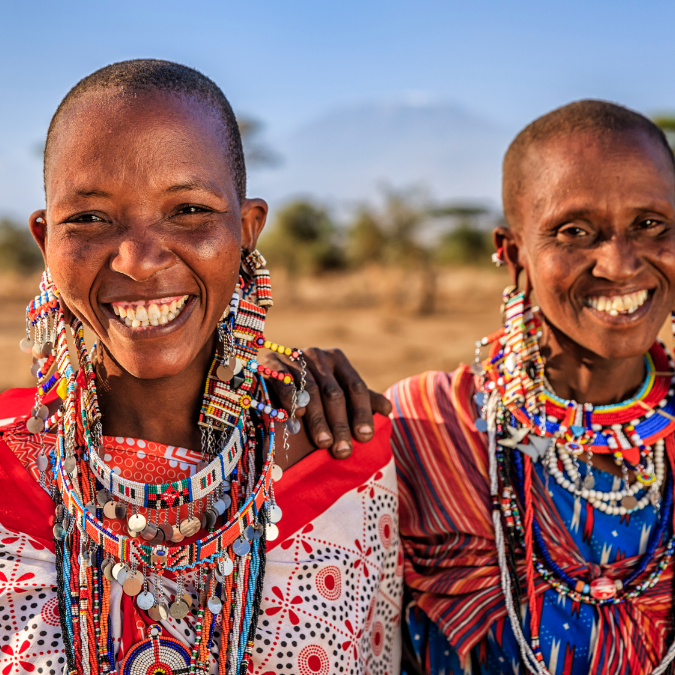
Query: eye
[
  {"x": 573, "y": 231},
  {"x": 190, "y": 209},
  {"x": 650, "y": 224},
  {"x": 85, "y": 218}
]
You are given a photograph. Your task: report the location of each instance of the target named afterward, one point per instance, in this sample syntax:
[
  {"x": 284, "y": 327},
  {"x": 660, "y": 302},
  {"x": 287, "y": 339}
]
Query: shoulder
[
  {"x": 15, "y": 406},
  {"x": 441, "y": 458}
]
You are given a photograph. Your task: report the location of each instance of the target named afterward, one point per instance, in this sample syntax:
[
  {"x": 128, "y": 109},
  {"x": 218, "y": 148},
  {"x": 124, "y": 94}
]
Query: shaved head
[{"x": 589, "y": 116}]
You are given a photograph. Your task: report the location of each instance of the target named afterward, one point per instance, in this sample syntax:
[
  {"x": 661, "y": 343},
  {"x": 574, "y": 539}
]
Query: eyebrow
[{"x": 194, "y": 185}]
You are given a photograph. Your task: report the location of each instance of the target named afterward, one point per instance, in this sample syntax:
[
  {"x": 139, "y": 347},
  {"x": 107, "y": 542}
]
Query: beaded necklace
[
  {"x": 235, "y": 482},
  {"x": 525, "y": 423}
]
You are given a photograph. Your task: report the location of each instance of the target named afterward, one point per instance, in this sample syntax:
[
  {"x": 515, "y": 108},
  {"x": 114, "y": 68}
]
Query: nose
[
  {"x": 141, "y": 254},
  {"x": 617, "y": 260}
]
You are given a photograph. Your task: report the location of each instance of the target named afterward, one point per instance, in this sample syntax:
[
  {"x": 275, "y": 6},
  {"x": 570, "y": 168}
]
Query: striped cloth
[{"x": 457, "y": 614}]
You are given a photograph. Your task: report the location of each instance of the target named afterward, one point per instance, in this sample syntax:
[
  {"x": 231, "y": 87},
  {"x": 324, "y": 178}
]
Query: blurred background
[{"x": 375, "y": 130}]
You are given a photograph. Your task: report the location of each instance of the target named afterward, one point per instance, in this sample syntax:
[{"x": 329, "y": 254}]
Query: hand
[{"x": 340, "y": 405}]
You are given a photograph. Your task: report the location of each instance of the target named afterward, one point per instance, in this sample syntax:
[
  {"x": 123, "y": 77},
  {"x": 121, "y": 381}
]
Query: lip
[
  {"x": 148, "y": 332},
  {"x": 621, "y": 320}
]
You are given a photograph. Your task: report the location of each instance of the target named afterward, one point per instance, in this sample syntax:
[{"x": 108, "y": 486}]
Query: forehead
[
  {"x": 592, "y": 167},
  {"x": 112, "y": 135}
]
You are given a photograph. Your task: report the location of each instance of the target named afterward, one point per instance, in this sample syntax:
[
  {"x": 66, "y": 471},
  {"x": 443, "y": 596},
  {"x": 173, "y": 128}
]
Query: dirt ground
[{"x": 371, "y": 315}]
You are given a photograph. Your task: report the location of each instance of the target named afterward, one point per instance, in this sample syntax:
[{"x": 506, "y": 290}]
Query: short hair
[
  {"x": 143, "y": 75},
  {"x": 579, "y": 116}
]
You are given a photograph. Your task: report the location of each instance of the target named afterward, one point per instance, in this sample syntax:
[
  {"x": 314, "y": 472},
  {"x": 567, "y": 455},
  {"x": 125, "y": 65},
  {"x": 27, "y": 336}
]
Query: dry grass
[{"x": 371, "y": 315}]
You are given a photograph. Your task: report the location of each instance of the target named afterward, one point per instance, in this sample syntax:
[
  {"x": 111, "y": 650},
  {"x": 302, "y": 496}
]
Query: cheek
[{"x": 551, "y": 276}]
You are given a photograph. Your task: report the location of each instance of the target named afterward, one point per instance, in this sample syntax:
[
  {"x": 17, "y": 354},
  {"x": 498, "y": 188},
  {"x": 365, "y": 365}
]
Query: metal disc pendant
[
  {"x": 47, "y": 349},
  {"x": 277, "y": 472},
  {"x": 177, "y": 535},
  {"x": 35, "y": 425},
  {"x": 303, "y": 399},
  {"x": 202, "y": 520},
  {"x": 228, "y": 566},
  {"x": 70, "y": 464},
  {"x": 149, "y": 532},
  {"x": 120, "y": 511},
  {"x": 159, "y": 612},
  {"x": 272, "y": 531},
  {"x": 481, "y": 425},
  {"x": 157, "y": 539},
  {"x": 26, "y": 345},
  {"x": 121, "y": 576},
  {"x": 219, "y": 506},
  {"x": 133, "y": 584},
  {"x": 215, "y": 605},
  {"x": 42, "y": 412},
  {"x": 211, "y": 516},
  {"x": 224, "y": 373},
  {"x": 105, "y": 564},
  {"x": 179, "y": 609},
  {"x": 629, "y": 502},
  {"x": 103, "y": 496},
  {"x": 189, "y": 526},
  {"x": 187, "y": 599},
  {"x": 275, "y": 513},
  {"x": 145, "y": 600},
  {"x": 109, "y": 509},
  {"x": 226, "y": 500},
  {"x": 249, "y": 532},
  {"x": 589, "y": 482},
  {"x": 91, "y": 507},
  {"x": 108, "y": 571},
  {"x": 59, "y": 532},
  {"x": 137, "y": 522},
  {"x": 167, "y": 531},
  {"x": 293, "y": 426},
  {"x": 241, "y": 546},
  {"x": 117, "y": 568}
]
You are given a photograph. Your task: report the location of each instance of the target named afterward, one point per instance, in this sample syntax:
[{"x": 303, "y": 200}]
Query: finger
[
  {"x": 379, "y": 403},
  {"x": 314, "y": 417},
  {"x": 333, "y": 400},
  {"x": 358, "y": 397}
]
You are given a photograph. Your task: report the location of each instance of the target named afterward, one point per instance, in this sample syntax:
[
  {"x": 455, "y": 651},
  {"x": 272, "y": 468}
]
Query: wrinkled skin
[
  {"x": 597, "y": 218},
  {"x": 141, "y": 205}
]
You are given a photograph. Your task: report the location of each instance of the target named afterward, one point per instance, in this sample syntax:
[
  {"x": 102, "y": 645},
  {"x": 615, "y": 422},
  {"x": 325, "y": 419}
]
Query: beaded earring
[{"x": 234, "y": 482}]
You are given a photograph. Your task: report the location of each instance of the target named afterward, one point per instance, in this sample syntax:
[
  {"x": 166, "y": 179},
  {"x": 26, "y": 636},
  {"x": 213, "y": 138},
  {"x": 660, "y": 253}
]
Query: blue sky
[{"x": 286, "y": 62}]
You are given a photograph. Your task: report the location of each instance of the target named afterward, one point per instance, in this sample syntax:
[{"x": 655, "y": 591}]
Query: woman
[
  {"x": 536, "y": 486},
  {"x": 166, "y": 452}
]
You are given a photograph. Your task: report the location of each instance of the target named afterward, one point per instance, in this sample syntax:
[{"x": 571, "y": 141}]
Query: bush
[
  {"x": 465, "y": 245},
  {"x": 303, "y": 240},
  {"x": 18, "y": 250}
]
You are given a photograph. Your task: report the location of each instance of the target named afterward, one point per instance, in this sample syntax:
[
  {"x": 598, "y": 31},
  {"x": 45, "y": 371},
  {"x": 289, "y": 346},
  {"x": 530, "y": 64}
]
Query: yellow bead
[
  {"x": 288, "y": 351},
  {"x": 287, "y": 379},
  {"x": 62, "y": 388},
  {"x": 274, "y": 346},
  {"x": 268, "y": 344}
]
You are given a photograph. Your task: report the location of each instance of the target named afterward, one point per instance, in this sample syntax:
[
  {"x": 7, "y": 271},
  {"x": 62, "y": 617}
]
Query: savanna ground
[{"x": 371, "y": 314}]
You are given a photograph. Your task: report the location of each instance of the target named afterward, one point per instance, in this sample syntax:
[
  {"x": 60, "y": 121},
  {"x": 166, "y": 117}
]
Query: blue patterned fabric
[{"x": 567, "y": 630}]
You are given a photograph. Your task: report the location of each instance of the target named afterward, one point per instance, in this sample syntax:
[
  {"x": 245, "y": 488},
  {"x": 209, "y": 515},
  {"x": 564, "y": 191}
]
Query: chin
[
  {"x": 157, "y": 364},
  {"x": 616, "y": 347}
]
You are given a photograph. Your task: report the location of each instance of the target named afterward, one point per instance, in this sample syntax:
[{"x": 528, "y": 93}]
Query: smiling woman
[
  {"x": 165, "y": 451},
  {"x": 536, "y": 486}
]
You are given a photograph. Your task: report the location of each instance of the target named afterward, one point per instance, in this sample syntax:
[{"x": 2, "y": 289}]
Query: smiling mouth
[
  {"x": 142, "y": 313},
  {"x": 618, "y": 304}
]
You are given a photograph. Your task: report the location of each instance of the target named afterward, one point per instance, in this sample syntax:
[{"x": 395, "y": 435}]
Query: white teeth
[
  {"x": 618, "y": 304},
  {"x": 154, "y": 314}
]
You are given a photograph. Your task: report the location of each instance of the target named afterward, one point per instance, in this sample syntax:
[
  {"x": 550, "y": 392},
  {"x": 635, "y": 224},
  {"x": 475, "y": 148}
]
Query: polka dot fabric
[{"x": 332, "y": 594}]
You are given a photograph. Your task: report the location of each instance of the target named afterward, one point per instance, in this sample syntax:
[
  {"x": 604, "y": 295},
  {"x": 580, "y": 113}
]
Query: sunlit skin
[
  {"x": 141, "y": 205},
  {"x": 597, "y": 218}
]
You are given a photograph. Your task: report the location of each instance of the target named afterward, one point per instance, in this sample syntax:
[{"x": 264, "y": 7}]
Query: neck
[
  {"x": 579, "y": 375},
  {"x": 164, "y": 410}
]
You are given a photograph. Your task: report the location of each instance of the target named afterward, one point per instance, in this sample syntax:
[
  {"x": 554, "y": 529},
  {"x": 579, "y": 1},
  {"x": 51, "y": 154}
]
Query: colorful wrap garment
[
  {"x": 456, "y": 617},
  {"x": 333, "y": 581}
]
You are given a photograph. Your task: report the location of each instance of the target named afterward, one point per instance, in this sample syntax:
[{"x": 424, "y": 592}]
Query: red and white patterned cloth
[{"x": 333, "y": 582}]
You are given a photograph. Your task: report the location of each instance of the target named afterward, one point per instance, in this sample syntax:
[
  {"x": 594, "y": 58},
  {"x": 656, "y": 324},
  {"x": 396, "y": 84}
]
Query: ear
[
  {"x": 38, "y": 227},
  {"x": 253, "y": 219},
  {"x": 504, "y": 239}
]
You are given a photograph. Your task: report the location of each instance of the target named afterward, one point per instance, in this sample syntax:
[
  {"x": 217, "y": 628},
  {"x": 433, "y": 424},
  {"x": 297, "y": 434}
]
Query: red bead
[{"x": 603, "y": 588}]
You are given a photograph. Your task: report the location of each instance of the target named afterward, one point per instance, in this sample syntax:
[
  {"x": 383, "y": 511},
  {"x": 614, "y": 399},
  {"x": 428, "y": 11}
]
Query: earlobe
[
  {"x": 253, "y": 219},
  {"x": 37, "y": 222}
]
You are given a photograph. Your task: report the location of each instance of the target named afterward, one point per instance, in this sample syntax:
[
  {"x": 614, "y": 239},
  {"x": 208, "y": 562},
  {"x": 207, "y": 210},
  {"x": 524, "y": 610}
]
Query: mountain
[{"x": 345, "y": 155}]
